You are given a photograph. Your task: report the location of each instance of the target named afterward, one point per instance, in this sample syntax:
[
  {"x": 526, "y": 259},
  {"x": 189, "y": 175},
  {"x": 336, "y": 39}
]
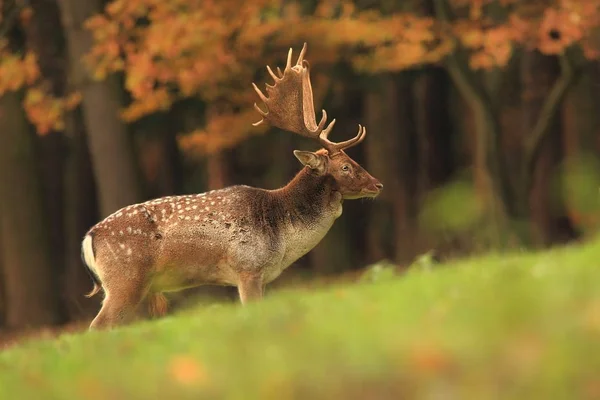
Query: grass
[{"x": 521, "y": 326}]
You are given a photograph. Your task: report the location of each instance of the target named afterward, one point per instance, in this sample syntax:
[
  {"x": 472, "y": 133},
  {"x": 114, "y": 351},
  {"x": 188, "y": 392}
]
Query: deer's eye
[{"x": 345, "y": 167}]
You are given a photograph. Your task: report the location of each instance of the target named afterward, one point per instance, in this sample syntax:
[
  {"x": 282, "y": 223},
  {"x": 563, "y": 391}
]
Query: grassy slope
[{"x": 494, "y": 327}]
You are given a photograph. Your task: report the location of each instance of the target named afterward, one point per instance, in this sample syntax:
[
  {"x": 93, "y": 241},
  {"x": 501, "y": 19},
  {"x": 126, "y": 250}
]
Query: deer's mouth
[
  {"x": 372, "y": 190},
  {"x": 370, "y": 193}
]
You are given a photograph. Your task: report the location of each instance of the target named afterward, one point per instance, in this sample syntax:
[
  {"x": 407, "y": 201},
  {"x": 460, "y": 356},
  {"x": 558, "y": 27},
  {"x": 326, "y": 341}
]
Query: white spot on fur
[{"x": 129, "y": 251}]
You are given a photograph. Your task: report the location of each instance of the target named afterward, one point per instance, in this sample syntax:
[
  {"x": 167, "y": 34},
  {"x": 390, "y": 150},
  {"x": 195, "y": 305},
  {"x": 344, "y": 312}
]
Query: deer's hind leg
[
  {"x": 121, "y": 302},
  {"x": 250, "y": 288}
]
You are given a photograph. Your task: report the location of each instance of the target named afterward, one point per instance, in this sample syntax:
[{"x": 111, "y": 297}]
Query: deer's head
[
  {"x": 352, "y": 180},
  {"x": 290, "y": 107}
]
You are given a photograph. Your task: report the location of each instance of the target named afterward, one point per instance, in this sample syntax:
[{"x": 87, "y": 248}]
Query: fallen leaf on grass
[
  {"x": 187, "y": 371},
  {"x": 429, "y": 358}
]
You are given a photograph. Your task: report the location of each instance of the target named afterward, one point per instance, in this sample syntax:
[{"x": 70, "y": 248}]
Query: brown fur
[
  {"x": 238, "y": 236},
  {"x": 157, "y": 305}
]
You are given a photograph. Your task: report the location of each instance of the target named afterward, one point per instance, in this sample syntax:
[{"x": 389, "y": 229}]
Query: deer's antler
[{"x": 290, "y": 105}]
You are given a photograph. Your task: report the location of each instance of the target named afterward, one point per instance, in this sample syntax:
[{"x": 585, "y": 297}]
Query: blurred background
[{"x": 483, "y": 123}]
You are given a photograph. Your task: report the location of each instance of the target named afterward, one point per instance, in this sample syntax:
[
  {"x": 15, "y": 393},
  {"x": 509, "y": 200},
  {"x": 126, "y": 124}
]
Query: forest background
[{"x": 482, "y": 117}]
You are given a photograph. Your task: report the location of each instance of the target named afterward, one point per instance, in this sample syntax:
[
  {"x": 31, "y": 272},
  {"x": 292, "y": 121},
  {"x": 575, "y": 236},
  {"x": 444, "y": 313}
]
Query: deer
[{"x": 238, "y": 236}]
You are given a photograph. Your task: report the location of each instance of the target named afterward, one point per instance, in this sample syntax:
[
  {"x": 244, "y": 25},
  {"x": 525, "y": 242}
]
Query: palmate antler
[{"x": 290, "y": 105}]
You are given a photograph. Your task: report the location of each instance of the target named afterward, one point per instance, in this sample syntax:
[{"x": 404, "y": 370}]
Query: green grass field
[{"x": 521, "y": 326}]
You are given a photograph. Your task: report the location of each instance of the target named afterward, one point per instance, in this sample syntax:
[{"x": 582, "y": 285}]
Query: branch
[
  {"x": 461, "y": 75},
  {"x": 533, "y": 143}
]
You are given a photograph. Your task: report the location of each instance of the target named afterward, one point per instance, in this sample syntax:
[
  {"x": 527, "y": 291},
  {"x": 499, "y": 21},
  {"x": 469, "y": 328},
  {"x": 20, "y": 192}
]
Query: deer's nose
[{"x": 379, "y": 186}]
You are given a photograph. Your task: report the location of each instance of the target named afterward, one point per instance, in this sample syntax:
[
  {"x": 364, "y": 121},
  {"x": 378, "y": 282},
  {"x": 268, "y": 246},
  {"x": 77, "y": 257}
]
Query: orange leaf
[{"x": 187, "y": 371}]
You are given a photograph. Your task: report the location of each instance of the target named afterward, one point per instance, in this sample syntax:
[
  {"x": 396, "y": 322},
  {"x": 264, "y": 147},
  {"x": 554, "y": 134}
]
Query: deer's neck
[{"x": 309, "y": 198}]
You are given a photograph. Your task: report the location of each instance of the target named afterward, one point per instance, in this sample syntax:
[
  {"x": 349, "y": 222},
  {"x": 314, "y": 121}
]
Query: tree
[
  {"x": 391, "y": 157},
  {"x": 29, "y": 277},
  {"x": 111, "y": 152},
  {"x": 29, "y": 280},
  {"x": 47, "y": 43},
  {"x": 81, "y": 212},
  {"x": 491, "y": 49}
]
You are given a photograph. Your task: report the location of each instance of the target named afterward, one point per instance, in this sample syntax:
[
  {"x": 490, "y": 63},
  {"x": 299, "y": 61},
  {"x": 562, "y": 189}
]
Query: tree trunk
[
  {"x": 510, "y": 109},
  {"x": 538, "y": 73},
  {"x": 218, "y": 170},
  {"x": 159, "y": 157},
  {"x": 81, "y": 213},
  {"x": 30, "y": 279},
  {"x": 392, "y": 159},
  {"x": 46, "y": 39},
  {"x": 435, "y": 141},
  {"x": 545, "y": 87},
  {"x": 47, "y": 42},
  {"x": 2, "y": 282},
  {"x": 383, "y": 161},
  {"x": 434, "y": 130},
  {"x": 110, "y": 146}
]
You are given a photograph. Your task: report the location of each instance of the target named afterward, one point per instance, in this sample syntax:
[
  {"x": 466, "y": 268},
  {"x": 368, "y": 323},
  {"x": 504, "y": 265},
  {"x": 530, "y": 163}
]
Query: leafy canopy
[{"x": 212, "y": 49}]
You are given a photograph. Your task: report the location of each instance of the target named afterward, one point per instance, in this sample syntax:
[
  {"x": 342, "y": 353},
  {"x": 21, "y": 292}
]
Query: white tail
[
  {"x": 239, "y": 236},
  {"x": 87, "y": 252}
]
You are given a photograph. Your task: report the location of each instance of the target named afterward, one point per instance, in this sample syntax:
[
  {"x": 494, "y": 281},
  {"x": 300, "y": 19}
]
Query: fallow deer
[{"x": 237, "y": 236}]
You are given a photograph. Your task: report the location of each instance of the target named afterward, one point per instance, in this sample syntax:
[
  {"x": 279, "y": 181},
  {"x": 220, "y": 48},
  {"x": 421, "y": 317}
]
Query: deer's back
[{"x": 222, "y": 232}]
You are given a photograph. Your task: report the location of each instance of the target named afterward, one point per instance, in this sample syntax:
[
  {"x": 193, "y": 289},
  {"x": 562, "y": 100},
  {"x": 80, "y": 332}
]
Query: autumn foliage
[
  {"x": 212, "y": 50},
  {"x": 44, "y": 110}
]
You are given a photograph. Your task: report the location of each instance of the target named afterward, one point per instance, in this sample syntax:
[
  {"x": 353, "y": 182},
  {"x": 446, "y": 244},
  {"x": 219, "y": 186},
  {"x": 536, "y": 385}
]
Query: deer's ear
[{"x": 316, "y": 162}]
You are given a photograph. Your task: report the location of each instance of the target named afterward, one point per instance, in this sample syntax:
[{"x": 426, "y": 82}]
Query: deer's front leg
[{"x": 250, "y": 288}]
